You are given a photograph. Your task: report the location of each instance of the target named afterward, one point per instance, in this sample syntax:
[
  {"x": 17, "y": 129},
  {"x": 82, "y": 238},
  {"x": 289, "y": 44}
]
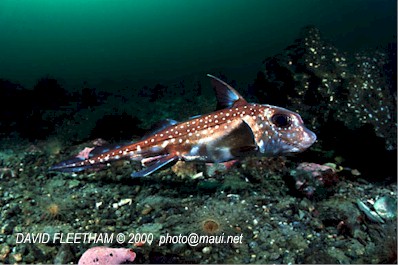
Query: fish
[{"x": 237, "y": 129}]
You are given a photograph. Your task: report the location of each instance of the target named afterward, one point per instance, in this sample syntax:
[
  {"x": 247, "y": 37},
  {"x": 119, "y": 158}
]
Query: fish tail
[
  {"x": 72, "y": 165},
  {"x": 82, "y": 162}
]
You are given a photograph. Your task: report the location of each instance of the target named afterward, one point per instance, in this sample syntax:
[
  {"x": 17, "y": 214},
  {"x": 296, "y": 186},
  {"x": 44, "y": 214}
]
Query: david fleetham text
[{"x": 65, "y": 238}]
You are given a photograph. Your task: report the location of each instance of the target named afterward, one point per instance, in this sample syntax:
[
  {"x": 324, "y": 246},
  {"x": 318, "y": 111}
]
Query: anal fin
[{"x": 155, "y": 165}]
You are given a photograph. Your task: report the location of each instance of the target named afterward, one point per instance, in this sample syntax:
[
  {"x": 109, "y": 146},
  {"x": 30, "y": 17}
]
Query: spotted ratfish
[{"x": 236, "y": 130}]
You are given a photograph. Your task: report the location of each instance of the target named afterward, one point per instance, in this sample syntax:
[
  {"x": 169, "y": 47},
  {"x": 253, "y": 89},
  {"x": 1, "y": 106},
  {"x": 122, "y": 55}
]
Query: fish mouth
[
  {"x": 308, "y": 138},
  {"x": 281, "y": 147}
]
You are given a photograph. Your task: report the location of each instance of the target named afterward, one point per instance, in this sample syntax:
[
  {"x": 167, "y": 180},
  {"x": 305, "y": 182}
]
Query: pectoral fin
[
  {"x": 241, "y": 140},
  {"x": 237, "y": 143}
]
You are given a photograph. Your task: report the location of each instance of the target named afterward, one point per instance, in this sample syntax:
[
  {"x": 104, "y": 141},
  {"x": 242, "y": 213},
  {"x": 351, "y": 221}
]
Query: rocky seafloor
[
  {"x": 333, "y": 203},
  {"x": 256, "y": 199}
]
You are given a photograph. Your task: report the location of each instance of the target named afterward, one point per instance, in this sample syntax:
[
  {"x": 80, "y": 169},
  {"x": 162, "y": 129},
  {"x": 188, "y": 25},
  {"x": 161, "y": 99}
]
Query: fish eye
[{"x": 281, "y": 120}]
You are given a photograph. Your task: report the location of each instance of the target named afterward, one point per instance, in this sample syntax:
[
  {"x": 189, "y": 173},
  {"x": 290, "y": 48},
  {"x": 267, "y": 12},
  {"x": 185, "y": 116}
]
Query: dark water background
[{"x": 121, "y": 43}]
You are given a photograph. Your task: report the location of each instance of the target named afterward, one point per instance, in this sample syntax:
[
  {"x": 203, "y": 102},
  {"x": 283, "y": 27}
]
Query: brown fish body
[{"x": 239, "y": 129}]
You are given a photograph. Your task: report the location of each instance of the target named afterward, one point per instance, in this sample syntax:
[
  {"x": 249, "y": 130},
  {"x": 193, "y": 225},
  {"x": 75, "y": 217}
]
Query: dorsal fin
[{"x": 227, "y": 96}]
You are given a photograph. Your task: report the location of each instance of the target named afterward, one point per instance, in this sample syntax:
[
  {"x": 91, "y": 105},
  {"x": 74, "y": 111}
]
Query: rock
[
  {"x": 346, "y": 99},
  {"x": 206, "y": 250},
  {"x": 340, "y": 214},
  {"x": 4, "y": 251},
  {"x": 386, "y": 207},
  {"x": 314, "y": 180},
  {"x": 64, "y": 255}
]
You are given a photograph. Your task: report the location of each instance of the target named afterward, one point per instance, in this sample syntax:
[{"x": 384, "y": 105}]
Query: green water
[{"x": 112, "y": 43}]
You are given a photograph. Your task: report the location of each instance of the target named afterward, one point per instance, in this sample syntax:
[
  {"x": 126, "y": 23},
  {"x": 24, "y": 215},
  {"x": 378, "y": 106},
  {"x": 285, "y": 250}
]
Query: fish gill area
[{"x": 334, "y": 203}]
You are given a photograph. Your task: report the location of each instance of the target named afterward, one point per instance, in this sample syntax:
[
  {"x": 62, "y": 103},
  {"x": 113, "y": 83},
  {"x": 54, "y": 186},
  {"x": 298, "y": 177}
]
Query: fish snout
[{"x": 308, "y": 138}]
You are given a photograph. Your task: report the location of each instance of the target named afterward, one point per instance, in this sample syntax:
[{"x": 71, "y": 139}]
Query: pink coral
[
  {"x": 313, "y": 178},
  {"x": 106, "y": 255},
  {"x": 322, "y": 173}
]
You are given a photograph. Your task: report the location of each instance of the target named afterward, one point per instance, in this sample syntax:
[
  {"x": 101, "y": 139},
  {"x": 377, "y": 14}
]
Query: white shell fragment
[
  {"x": 372, "y": 215},
  {"x": 386, "y": 207},
  {"x": 122, "y": 202}
]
